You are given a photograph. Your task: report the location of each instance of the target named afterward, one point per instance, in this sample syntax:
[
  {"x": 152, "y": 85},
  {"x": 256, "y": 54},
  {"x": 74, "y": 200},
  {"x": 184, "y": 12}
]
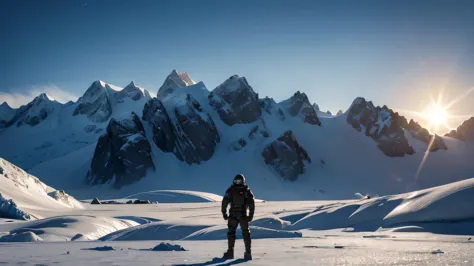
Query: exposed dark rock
[
  {"x": 382, "y": 125},
  {"x": 340, "y": 112},
  {"x": 280, "y": 114},
  {"x": 268, "y": 105},
  {"x": 163, "y": 130},
  {"x": 194, "y": 136},
  {"x": 97, "y": 102},
  {"x": 329, "y": 112},
  {"x": 122, "y": 155},
  {"x": 96, "y": 201},
  {"x": 316, "y": 107},
  {"x": 197, "y": 133},
  {"x": 299, "y": 105},
  {"x": 388, "y": 128},
  {"x": 239, "y": 144},
  {"x": 235, "y": 101},
  {"x": 271, "y": 107},
  {"x": 464, "y": 132},
  {"x": 138, "y": 201},
  {"x": 422, "y": 134},
  {"x": 34, "y": 112},
  {"x": 286, "y": 156}
]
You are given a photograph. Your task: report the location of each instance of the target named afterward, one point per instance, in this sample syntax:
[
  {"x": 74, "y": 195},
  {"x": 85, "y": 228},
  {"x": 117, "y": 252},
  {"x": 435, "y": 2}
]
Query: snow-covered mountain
[
  {"x": 6, "y": 114},
  {"x": 21, "y": 194},
  {"x": 115, "y": 142},
  {"x": 174, "y": 81},
  {"x": 35, "y": 112}
]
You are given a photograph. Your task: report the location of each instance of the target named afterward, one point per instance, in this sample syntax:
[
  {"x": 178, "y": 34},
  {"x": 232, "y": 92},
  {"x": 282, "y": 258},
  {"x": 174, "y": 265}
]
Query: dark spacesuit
[{"x": 240, "y": 198}]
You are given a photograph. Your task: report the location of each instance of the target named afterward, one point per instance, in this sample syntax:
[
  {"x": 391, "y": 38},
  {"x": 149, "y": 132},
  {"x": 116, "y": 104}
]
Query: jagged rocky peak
[
  {"x": 192, "y": 136},
  {"x": 133, "y": 92},
  {"x": 464, "y": 132},
  {"x": 271, "y": 107},
  {"x": 316, "y": 107},
  {"x": 299, "y": 105},
  {"x": 6, "y": 114},
  {"x": 35, "y": 112},
  {"x": 340, "y": 112},
  {"x": 420, "y": 133},
  {"x": 122, "y": 155},
  {"x": 388, "y": 128},
  {"x": 286, "y": 156},
  {"x": 381, "y": 124},
  {"x": 328, "y": 112},
  {"x": 97, "y": 102},
  {"x": 163, "y": 130},
  {"x": 174, "y": 81},
  {"x": 236, "y": 101},
  {"x": 197, "y": 133}
]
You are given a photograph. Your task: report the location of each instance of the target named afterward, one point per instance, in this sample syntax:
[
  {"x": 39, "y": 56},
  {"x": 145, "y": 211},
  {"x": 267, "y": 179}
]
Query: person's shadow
[{"x": 216, "y": 262}]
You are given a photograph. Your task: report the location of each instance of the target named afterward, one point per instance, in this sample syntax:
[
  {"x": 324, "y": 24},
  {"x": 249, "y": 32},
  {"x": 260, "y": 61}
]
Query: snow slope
[{"x": 29, "y": 193}]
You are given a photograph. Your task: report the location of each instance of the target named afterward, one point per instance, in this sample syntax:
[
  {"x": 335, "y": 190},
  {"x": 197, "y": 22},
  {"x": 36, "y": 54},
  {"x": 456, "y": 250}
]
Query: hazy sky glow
[{"x": 395, "y": 53}]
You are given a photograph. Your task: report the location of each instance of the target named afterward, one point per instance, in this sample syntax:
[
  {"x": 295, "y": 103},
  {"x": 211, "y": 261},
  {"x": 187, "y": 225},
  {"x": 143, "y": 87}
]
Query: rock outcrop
[
  {"x": 235, "y": 101},
  {"x": 299, "y": 105},
  {"x": 122, "y": 155},
  {"x": 196, "y": 132},
  {"x": 422, "y": 134},
  {"x": 464, "y": 132},
  {"x": 271, "y": 107},
  {"x": 192, "y": 136},
  {"x": 286, "y": 156},
  {"x": 382, "y": 125},
  {"x": 157, "y": 116}
]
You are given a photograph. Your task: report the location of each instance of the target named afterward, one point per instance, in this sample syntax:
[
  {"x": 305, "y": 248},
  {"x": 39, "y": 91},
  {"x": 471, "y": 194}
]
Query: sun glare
[{"x": 437, "y": 116}]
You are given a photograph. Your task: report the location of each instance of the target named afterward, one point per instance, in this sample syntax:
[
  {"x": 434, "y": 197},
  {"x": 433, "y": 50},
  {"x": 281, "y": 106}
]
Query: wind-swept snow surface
[{"x": 21, "y": 194}]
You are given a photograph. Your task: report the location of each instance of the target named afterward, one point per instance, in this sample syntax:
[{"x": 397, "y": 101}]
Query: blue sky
[{"x": 391, "y": 52}]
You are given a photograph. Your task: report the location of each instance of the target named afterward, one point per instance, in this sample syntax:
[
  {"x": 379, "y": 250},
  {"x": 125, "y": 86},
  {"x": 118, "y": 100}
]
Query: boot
[
  {"x": 230, "y": 250},
  {"x": 229, "y": 254},
  {"x": 247, "y": 255}
]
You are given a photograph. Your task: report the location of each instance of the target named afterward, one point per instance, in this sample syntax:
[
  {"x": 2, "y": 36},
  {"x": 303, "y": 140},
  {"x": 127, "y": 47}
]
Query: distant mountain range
[{"x": 115, "y": 141}]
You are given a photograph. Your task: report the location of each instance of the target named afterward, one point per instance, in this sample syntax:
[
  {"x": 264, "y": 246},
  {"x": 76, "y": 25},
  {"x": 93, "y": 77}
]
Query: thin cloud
[{"x": 16, "y": 100}]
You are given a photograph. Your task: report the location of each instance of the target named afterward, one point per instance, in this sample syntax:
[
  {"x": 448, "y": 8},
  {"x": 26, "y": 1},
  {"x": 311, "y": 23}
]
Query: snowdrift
[
  {"x": 448, "y": 204},
  {"x": 63, "y": 228}
]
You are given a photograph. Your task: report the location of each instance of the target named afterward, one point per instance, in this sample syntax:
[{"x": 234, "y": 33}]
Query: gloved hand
[
  {"x": 224, "y": 215},
  {"x": 250, "y": 217}
]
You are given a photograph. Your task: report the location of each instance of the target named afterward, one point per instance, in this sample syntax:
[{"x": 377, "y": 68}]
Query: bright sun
[{"x": 437, "y": 115}]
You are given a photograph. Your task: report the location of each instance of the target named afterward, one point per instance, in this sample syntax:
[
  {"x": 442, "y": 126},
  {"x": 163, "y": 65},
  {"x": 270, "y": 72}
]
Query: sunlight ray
[{"x": 459, "y": 98}]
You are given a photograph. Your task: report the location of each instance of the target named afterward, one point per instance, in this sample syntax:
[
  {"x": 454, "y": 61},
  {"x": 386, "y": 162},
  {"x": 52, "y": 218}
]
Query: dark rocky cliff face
[
  {"x": 235, "y": 101},
  {"x": 122, "y": 155},
  {"x": 388, "y": 128},
  {"x": 286, "y": 156},
  {"x": 193, "y": 137}
]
